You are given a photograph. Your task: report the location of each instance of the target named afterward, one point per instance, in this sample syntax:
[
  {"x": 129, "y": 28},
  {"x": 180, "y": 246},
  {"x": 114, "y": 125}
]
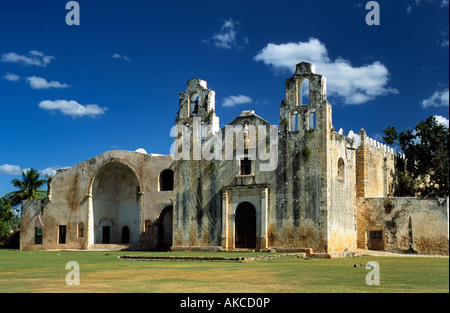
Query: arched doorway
[
  {"x": 115, "y": 205},
  {"x": 245, "y": 226},
  {"x": 125, "y": 235},
  {"x": 165, "y": 229}
]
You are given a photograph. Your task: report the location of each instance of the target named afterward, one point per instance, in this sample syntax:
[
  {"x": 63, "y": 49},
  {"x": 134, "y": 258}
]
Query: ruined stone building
[{"x": 245, "y": 186}]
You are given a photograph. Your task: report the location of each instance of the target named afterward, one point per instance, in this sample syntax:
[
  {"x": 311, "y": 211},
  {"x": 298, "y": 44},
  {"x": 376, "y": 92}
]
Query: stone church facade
[{"x": 328, "y": 192}]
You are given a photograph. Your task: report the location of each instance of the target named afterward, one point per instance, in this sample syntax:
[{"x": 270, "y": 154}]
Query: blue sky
[{"x": 69, "y": 93}]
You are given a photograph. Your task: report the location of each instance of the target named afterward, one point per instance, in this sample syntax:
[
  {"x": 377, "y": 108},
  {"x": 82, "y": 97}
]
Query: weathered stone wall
[
  {"x": 198, "y": 206},
  {"x": 298, "y": 218},
  {"x": 75, "y": 194},
  {"x": 376, "y": 171},
  {"x": 342, "y": 212},
  {"x": 408, "y": 224}
]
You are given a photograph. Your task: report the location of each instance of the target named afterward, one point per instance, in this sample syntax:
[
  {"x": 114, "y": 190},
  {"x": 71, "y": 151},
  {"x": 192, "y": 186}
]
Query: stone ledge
[
  {"x": 114, "y": 247},
  {"x": 209, "y": 258},
  {"x": 196, "y": 248}
]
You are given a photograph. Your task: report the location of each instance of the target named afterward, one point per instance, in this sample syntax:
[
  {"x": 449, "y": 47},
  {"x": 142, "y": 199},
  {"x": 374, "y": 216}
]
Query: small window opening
[
  {"x": 376, "y": 235},
  {"x": 341, "y": 169},
  {"x": 62, "y": 235},
  {"x": 38, "y": 232},
  {"x": 166, "y": 180},
  {"x": 246, "y": 165},
  {"x": 80, "y": 230},
  {"x": 375, "y": 240}
]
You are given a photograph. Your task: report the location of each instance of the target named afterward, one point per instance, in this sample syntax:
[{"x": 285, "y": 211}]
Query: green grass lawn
[{"x": 45, "y": 271}]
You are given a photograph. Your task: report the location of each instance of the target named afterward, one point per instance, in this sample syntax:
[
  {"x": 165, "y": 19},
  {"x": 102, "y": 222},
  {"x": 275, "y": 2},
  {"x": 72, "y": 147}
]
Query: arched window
[
  {"x": 303, "y": 92},
  {"x": 80, "y": 230},
  {"x": 193, "y": 102},
  {"x": 166, "y": 180},
  {"x": 147, "y": 225},
  {"x": 341, "y": 169}
]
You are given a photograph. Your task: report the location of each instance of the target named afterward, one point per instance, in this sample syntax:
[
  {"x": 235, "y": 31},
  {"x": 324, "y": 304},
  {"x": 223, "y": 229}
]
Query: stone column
[
  {"x": 90, "y": 225},
  {"x": 264, "y": 208},
  {"x": 141, "y": 230},
  {"x": 224, "y": 220}
]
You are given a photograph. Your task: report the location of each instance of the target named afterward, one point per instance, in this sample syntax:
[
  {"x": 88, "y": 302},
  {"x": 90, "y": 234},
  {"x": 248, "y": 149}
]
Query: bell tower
[
  {"x": 305, "y": 107},
  {"x": 197, "y": 101}
]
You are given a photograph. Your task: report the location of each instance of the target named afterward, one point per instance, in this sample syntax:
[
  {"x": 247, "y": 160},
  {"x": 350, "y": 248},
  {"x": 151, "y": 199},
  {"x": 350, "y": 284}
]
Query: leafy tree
[
  {"x": 425, "y": 172},
  {"x": 6, "y": 216},
  {"x": 29, "y": 187}
]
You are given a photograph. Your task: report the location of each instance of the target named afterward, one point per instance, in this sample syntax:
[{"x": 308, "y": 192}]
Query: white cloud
[
  {"x": 11, "y": 77},
  {"x": 119, "y": 56},
  {"x": 444, "y": 3},
  {"x": 15, "y": 170},
  {"x": 7, "y": 169},
  {"x": 51, "y": 171},
  {"x": 286, "y": 56},
  {"x": 227, "y": 37},
  {"x": 438, "y": 99},
  {"x": 72, "y": 108},
  {"x": 442, "y": 120},
  {"x": 232, "y": 101},
  {"x": 42, "y": 83},
  {"x": 355, "y": 85},
  {"x": 34, "y": 58}
]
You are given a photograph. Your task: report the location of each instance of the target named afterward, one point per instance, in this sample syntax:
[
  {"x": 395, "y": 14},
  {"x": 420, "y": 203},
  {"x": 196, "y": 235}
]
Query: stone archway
[
  {"x": 165, "y": 229},
  {"x": 115, "y": 192},
  {"x": 241, "y": 204}
]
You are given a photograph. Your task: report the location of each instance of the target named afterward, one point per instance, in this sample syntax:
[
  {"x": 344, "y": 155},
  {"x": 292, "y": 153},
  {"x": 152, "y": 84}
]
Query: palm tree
[{"x": 28, "y": 187}]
